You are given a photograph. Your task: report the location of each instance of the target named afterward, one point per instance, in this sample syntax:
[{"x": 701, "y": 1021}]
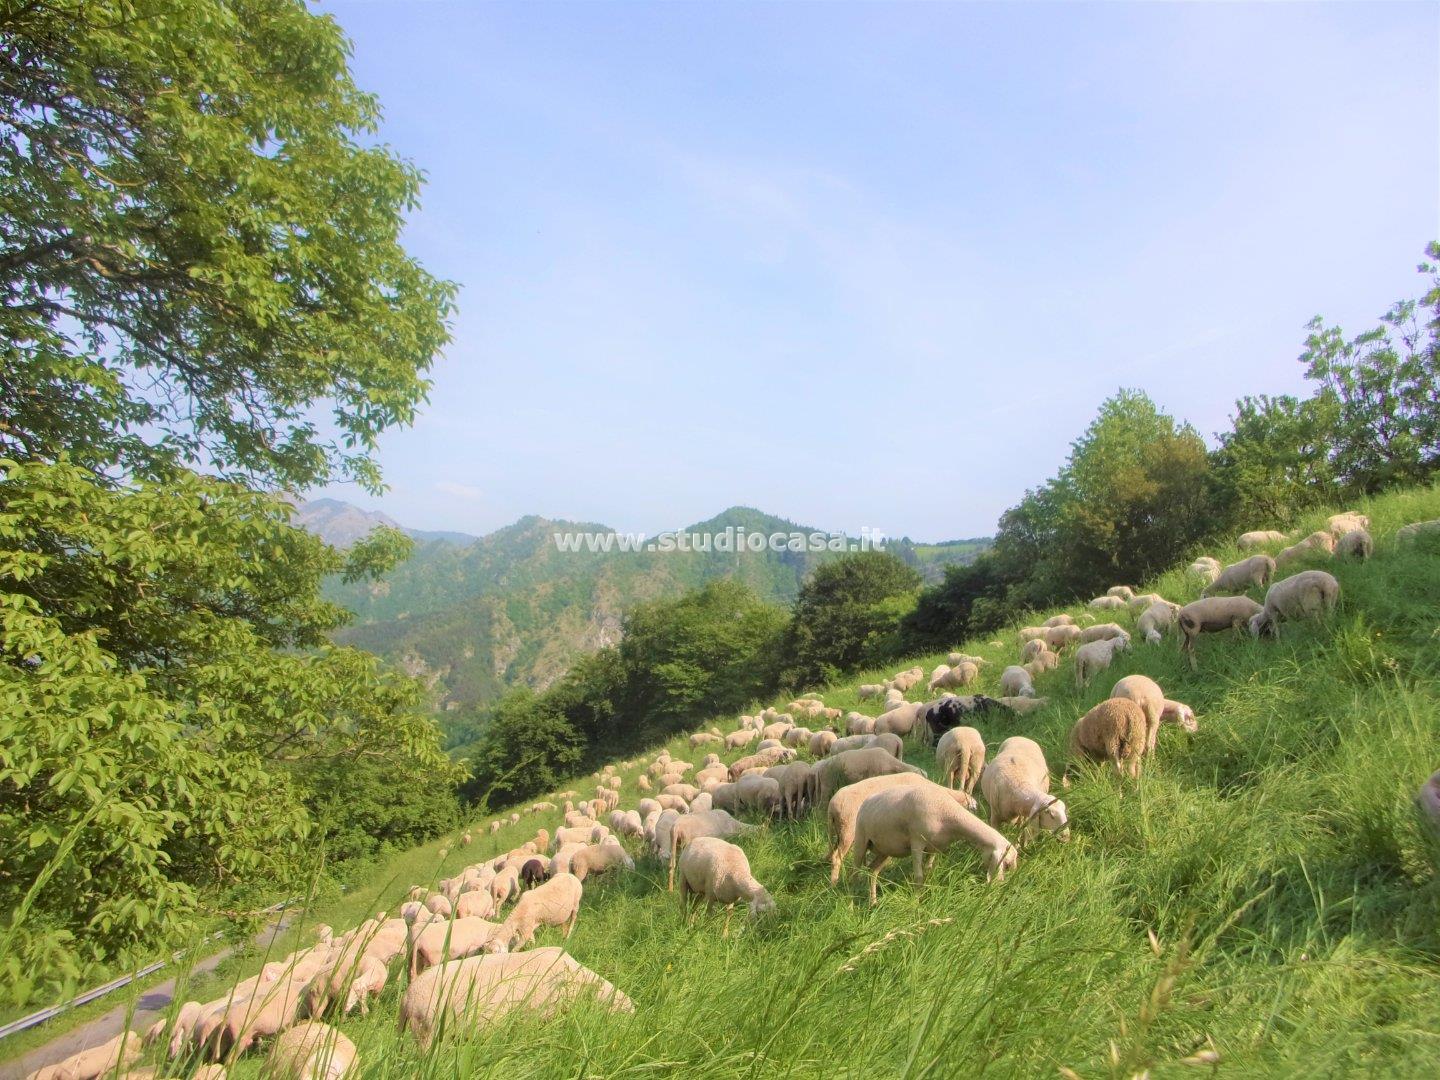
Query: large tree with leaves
[{"x": 199, "y": 244}]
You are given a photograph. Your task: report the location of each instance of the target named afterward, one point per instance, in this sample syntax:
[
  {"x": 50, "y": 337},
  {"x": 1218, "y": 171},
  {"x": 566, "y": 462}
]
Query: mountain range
[{"x": 478, "y": 615}]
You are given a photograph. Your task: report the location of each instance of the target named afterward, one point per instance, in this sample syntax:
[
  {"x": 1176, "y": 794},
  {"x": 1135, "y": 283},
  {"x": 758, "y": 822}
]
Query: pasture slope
[{"x": 1275, "y": 856}]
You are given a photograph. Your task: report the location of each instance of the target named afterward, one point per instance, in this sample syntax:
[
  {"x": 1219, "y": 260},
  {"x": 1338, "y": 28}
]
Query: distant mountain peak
[{"x": 340, "y": 524}]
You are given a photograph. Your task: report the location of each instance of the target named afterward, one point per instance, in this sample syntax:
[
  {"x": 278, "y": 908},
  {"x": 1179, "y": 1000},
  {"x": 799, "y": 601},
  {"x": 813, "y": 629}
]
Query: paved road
[{"x": 107, "y": 1025}]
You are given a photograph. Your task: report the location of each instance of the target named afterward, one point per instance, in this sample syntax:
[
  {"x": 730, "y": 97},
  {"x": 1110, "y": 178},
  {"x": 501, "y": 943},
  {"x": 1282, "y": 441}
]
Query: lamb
[
  {"x": 104, "y": 1060},
  {"x": 836, "y": 772},
  {"x": 443, "y": 941},
  {"x": 1114, "y": 731},
  {"x": 1158, "y": 709},
  {"x": 922, "y": 820},
  {"x": 1015, "y": 682},
  {"x": 736, "y": 739},
  {"x": 1307, "y": 595},
  {"x": 602, "y": 857},
  {"x": 1316, "y": 541},
  {"x": 1210, "y": 615},
  {"x": 1155, "y": 620},
  {"x": 1096, "y": 656},
  {"x": 1107, "y": 603},
  {"x": 821, "y": 742},
  {"x": 1240, "y": 576},
  {"x": 535, "y": 870},
  {"x": 1057, "y": 637},
  {"x": 556, "y": 903},
  {"x": 1355, "y": 544},
  {"x": 483, "y": 989},
  {"x": 719, "y": 872},
  {"x": 1017, "y": 789},
  {"x": 1349, "y": 521},
  {"x": 310, "y": 1051},
  {"x": 1102, "y": 632},
  {"x": 960, "y": 753},
  {"x": 1259, "y": 538}
]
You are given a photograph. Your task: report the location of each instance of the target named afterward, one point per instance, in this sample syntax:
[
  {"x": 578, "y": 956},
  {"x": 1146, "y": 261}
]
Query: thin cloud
[{"x": 468, "y": 492}]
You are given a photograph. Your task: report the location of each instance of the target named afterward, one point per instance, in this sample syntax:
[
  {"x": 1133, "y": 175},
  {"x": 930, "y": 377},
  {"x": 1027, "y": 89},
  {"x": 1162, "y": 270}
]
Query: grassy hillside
[
  {"x": 512, "y": 608},
  {"x": 1275, "y": 857}
]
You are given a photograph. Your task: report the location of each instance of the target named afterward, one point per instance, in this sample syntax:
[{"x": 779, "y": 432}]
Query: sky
[{"x": 875, "y": 265}]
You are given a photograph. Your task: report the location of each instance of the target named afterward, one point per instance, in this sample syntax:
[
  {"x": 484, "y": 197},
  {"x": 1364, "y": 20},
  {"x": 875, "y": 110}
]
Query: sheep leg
[
  {"x": 879, "y": 863},
  {"x": 917, "y": 853}
]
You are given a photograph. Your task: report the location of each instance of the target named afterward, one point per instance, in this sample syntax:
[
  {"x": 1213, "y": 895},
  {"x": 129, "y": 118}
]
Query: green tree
[
  {"x": 1275, "y": 459},
  {"x": 1383, "y": 385},
  {"x": 199, "y": 244},
  {"x": 846, "y": 617},
  {"x": 172, "y": 719},
  {"x": 527, "y": 747}
]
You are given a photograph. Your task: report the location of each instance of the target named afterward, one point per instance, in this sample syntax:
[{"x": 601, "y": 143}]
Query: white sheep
[
  {"x": 693, "y": 826},
  {"x": 1348, "y": 521},
  {"x": 869, "y": 690},
  {"x": 555, "y": 903},
  {"x": 1416, "y": 529},
  {"x": 1259, "y": 538},
  {"x": 1057, "y": 637},
  {"x": 1210, "y": 615},
  {"x": 1355, "y": 544},
  {"x": 1015, "y": 682},
  {"x": 900, "y": 720},
  {"x": 1158, "y": 709},
  {"x": 820, "y": 743},
  {"x": 599, "y": 858},
  {"x": 1107, "y": 603},
  {"x": 1124, "y": 592},
  {"x": 483, "y": 989},
  {"x": 441, "y": 941},
  {"x": 1316, "y": 542},
  {"x": 920, "y": 821},
  {"x": 1060, "y": 620},
  {"x": 1238, "y": 577},
  {"x": 1115, "y": 731},
  {"x": 1016, "y": 783},
  {"x": 719, "y": 872},
  {"x": 960, "y": 755},
  {"x": 1096, "y": 656},
  {"x": 1205, "y": 568},
  {"x": 743, "y": 737},
  {"x": 1102, "y": 632},
  {"x": 104, "y": 1060},
  {"x": 1155, "y": 620},
  {"x": 846, "y": 803},
  {"x": 1307, "y": 595}
]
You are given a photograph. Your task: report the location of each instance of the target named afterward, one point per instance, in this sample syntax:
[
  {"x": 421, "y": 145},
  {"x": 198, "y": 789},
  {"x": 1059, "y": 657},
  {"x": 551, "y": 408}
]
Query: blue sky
[{"x": 876, "y": 265}]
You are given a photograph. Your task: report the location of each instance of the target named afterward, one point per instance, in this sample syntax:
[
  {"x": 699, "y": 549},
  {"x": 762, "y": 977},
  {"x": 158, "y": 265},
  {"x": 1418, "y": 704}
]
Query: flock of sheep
[{"x": 467, "y": 943}]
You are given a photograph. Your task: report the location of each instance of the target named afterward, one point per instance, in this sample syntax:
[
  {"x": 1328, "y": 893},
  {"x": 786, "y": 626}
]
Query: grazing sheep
[
  {"x": 673, "y": 802},
  {"x": 1155, "y": 620},
  {"x": 713, "y": 823},
  {"x": 900, "y": 720},
  {"x": 1428, "y": 800},
  {"x": 1348, "y": 521},
  {"x": 685, "y": 791},
  {"x": 890, "y": 743},
  {"x": 736, "y": 739},
  {"x": 1307, "y": 595},
  {"x": 960, "y": 754},
  {"x": 755, "y": 791},
  {"x": 1107, "y": 603},
  {"x": 1030, "y": 633},
  {"x": 1124, "y": 592},
  {"x": 762, "y": 759},
  {"x": 1113, "y": 731},
  {"x": 103, "y": 1060},
  {"x": 642, "y": 782},
  {"x": 719, "y": 872},
  {"x": 846, "y": 804},
  {"x": 1316, "y": 541},
  {"x": 660, "y": 842},
  {"x": 715, "y": 774},
  {"x": 701, "y": 803},
  {"x": 645, "y": 807},
  {"x": 1023, "y": 706},
  {"x": 820, "y": 743},
  {"x": 627, "y": 823},
  {"x": 1259, "y": 538},
  {"x": 1015, "y": 682},
  {"x": 1238, "y": 577},
  {"x": 703, "y": 738},
  {"x": 1057, "y": 637},
  {"x": 859, "y": 724},
  {"x": 796, "y": 737},
  {"x": 268, "y": 1012},
  {"x": 441, "y": 941},
  {"x": 1096, "y": 656},
  {"x": 1102, "y": 632},
  {"x": 1016, "y": 784},
  {"x": 836, "y": 772},
  {"x": 1060, "y": 620},
  {"x": 475, "y": 903},
  {"x": 869, "y": 690},
  {"x": 602, "y": 857},
  {"x": 494, "y": 827},
  {"x": 922, "y": 820},
  {"x": 556, "y": 903},
  {"x": 580, "y": 834},
  {"x": 355, "y": 975},
  {"x": 1212, "y": 615},
  {"x": 534, "y": 871},
  {"x": 483, "y": 989},
  {"x": 1205, "y": 568},
  {"x": 1033, "y": 648},
  {"x": 1044, "y": 660},
  {"x": 941, "y": 671},
  {"x": 310, "y": 1051},
  {"x": 1416, "y": 529},
  {"x": 794, "y": 785},
  {"x": 950, "y": 710},
  {"x": 1355, "y": 544},
  {"x": 560, "y": 864},
  {"x": 439, "y": 905},
  {"x": 1158, "y": 709}
]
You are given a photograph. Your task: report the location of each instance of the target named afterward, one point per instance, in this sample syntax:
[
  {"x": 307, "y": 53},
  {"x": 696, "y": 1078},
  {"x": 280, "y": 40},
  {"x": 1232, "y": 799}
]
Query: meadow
[{"x": 1264, "y": 897}]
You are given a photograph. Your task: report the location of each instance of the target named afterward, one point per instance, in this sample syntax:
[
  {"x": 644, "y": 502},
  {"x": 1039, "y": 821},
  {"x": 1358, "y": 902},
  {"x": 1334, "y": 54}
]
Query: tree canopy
[{"x": 199, "y": 244}]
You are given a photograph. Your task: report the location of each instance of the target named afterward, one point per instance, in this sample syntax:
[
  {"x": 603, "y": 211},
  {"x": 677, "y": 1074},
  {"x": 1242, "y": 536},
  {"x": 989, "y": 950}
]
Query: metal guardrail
[{"x": 35, "y": 1018}]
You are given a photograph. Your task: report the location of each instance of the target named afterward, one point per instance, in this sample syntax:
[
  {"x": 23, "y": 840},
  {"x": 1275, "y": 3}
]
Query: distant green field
[{"x": 1276, "y": 858}]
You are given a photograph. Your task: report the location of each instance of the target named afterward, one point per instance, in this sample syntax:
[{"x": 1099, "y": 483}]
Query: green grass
[{"x": 1275, "y": 856}]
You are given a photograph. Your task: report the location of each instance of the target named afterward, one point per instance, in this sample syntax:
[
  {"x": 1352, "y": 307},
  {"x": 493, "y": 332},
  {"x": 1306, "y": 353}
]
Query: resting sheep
[
  {"x": 482, "y": 989},
  {"x": 919, "y": 821},
  {"x": 719, "y": 872},
  {"x": 1016, "y": 784},
  {"x": 1113, "y": 731},
  {"x": 1238, "y": 577},
  {"x": 1307, "y": 595}
]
